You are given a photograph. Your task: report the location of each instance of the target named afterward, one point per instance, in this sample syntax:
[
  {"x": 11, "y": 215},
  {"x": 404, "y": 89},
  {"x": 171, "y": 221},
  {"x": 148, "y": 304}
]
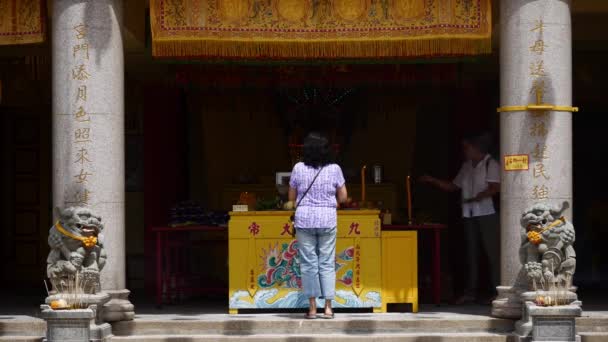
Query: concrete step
[
  {"x": 594, "y": 337},
  {"x": 21, "y": 326},
  {"x": 421, "y": 327},
  {"x": 421, "y": 337},
  {"x": 592, "y": 323},
  {"x": 262, "y": 324},
  {"x": 375, "y": 337}
]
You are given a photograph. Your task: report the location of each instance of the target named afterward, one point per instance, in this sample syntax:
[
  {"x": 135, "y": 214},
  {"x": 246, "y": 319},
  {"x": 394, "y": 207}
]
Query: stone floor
[
  {"x": 206, "y": 320},
  {"x": 28, "y": 305}
]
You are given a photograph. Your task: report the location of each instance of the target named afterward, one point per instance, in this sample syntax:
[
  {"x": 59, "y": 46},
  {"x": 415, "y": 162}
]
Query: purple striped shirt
[{"x": 318, "y": 208}]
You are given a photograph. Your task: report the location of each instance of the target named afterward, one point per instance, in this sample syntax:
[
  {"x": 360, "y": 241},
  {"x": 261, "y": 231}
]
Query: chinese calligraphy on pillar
[
  {"x": 82, "y": 134},
  {"x": 538, "y": 129}
]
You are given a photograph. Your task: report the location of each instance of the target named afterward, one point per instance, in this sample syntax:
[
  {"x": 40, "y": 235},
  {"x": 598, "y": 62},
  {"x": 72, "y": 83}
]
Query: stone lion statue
[
  {"x": 546, "y": 250},
  {"x": 76, "y": 246}
]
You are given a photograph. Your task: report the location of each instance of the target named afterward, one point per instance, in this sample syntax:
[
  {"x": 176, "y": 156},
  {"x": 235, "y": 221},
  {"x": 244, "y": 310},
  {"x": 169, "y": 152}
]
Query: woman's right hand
[{"x": 342, "y": 194}]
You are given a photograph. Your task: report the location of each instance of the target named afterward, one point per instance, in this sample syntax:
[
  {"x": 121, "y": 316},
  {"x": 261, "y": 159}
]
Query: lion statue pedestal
[
  {"x": 74, "y": 263},
  {"x": 550, "y": 303}
]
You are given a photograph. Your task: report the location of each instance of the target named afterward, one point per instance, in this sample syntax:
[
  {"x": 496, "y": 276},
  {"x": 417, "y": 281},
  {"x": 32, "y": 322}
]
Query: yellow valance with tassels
[
  {"x": 22, "y": 21},
  {"x": 323, "y": 29}
]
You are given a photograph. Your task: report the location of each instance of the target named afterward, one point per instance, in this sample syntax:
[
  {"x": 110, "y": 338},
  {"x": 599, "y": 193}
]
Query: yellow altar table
[{"x": 264, "y": 271}]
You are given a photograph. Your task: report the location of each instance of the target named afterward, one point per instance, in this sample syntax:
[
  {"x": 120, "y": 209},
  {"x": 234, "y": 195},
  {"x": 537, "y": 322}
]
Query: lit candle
[
  {"x": 363, "y": 184},
  {"x": 409, "y": 199}
]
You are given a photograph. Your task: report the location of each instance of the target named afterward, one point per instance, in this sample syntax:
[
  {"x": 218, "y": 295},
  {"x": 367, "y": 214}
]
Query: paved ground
[
  {"x": 28, "y": 305},
  {"x": 206, "y": 320}
]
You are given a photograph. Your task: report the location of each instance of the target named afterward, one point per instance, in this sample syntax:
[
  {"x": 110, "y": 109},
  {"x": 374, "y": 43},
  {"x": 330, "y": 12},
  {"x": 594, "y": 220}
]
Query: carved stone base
[
  {"x": 119, "y": 308},
  {"x": 548, "y": 323},
  {"x": 99, "y": 330},
  {"x": 508, "y": 303},
  {"x": 74, "y": 325},
  {"x": 67, "y": 325},
  {"x": 99, "y": 299}
]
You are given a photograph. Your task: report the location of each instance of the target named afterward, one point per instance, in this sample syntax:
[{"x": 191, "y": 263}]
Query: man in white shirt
[{"x": 478, "y": 180}]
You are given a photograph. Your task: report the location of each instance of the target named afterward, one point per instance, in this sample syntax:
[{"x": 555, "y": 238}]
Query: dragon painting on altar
[
  {"x": 281, "y": 266},
  {"x": 280, "y": 269}
]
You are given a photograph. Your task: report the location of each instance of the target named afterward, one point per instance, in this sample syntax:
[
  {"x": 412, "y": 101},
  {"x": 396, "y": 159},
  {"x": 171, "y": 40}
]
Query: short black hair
[
  {"x": 482, "y": 141},
  {"x": 316, "y": 151}
]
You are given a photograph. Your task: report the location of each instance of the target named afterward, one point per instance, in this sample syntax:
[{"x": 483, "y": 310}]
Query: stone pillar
[
  {"x": 88, "y": 127},
  {"x": 535, "y": 66}
]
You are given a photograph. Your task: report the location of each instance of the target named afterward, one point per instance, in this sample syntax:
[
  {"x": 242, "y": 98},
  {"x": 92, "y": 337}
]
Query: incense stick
[
  {"x": 409, "y": 199},
  {"x": 363, "y": 185},
  {"x": 48, "y": 293}
]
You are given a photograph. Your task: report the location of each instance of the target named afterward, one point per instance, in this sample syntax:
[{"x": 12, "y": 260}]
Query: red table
[
  {"x": 436, "y": 228},
  {"x": 166, "y": 243}
]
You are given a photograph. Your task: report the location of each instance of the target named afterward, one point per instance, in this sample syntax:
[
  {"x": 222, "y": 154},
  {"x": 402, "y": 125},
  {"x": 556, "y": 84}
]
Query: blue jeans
[{"x": 317, "y": 252}]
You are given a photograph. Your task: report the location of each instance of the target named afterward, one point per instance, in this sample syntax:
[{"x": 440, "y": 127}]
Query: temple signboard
[{"x": 517, "y": 162}]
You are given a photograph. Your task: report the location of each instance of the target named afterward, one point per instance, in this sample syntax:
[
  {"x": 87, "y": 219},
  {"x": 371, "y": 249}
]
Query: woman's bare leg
[
  {"x": 312, "y": 306},
  {"x": 328, "y": 310}
]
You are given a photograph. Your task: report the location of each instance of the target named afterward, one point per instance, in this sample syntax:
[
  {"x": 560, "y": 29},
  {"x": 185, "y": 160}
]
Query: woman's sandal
[
  {"x": 309, "y": 316},
  {"x": 326, "y": 316}
]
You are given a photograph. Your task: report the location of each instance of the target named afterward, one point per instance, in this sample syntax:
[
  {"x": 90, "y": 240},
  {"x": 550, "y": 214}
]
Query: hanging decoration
[
  {"x": 326, "y": 29},
  {"x": 22, "y": 21}
]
